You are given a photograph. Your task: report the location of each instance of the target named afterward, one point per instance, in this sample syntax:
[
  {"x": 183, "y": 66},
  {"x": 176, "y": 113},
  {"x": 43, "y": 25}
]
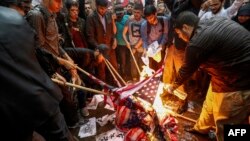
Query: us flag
[
  {"x": 145, "y": 88},
  {"x": 149, "y": 90}
]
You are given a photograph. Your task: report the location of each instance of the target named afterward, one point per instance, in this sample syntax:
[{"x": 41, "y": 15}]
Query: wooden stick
[
  {"x": 180, "y": 116},
  {"x": 186, "y": 118},
  {"x": 95, "y": 79},
  {"x": 112, "y": 73},
  {"x": 83, "y": 71},
  {"x": 78, "y": 86},
  {"x": 116, "y": 72},
  {"x": 136, "y": 64}
]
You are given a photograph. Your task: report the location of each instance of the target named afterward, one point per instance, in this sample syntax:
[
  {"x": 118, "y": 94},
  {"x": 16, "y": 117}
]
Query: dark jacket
[
  {"x": 95, "y": 31},
  {"x": 64, "y": 27},
  {"x": 222, "y": 48},
  {"x": 81, "y": 25},
  {"x": 28, "y": 97},
  {"x": 46, "y": 28}
]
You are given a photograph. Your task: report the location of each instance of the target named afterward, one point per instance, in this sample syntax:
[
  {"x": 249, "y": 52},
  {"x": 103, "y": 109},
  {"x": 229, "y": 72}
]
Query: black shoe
[{"x": 79, "y": 123}]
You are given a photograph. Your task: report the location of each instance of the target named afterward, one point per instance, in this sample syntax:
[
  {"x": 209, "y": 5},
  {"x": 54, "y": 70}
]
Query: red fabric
[
  {"x": 77, "y": 39},
  {"x": 122, "y": 116},
  {"x": 169, "y": 125},
  {"x": 136, "y": 134}
]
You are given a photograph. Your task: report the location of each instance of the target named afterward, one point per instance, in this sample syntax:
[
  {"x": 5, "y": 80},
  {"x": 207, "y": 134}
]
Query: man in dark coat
[
  {"x": 101, "y": 30},
  {"x": 29, "y": 100},
  {"x": 222, "y": 48}
]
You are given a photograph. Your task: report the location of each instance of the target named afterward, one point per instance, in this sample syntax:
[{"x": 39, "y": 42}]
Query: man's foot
[
  {"x": 211, "y": 134},
  {"x": 84, "y": 112},
  {"x": 190, "y": 129}
]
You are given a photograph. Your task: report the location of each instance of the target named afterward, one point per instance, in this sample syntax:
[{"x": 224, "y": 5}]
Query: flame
[
  {"x": 160, "y": 109},
  {"x": 146, "y": 72},
  {"x": 157, "y": 57}
]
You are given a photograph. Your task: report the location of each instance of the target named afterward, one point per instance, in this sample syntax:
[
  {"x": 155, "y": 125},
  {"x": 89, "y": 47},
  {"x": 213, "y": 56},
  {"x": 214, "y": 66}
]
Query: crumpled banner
[
  {"x": 136, "y": 134},
  {"x": 169, "y": 126},
  {"x": 135, "y": 113},
  {"x": 95, "y": 101}
]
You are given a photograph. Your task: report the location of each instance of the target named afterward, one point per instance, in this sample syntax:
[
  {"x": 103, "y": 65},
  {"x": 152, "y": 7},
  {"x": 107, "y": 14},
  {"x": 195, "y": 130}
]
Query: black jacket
[
  {"x": 28, "y": 97},
  {"x": 222, "y": 48},
  {"x": 95, "y": 31}
]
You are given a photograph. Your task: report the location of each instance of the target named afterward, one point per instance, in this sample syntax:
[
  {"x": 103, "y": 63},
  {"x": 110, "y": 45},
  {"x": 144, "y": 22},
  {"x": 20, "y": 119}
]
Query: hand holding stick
[{"x": 79, "y": 87}]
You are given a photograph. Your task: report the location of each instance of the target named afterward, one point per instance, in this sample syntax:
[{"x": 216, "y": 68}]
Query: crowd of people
[{"x": 207, "y": 42}]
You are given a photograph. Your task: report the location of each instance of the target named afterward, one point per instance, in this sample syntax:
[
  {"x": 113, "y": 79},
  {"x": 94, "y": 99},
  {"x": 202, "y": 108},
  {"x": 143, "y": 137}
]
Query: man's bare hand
[
  {"x": 205, "y": 5},
  {"x": 169, "y": 88},
  {"x": 114, "y": 45},
  {"x": 59, "y": 77},
  {"x": 75, "y": 78},
  {"x": 68, "y": 64}
]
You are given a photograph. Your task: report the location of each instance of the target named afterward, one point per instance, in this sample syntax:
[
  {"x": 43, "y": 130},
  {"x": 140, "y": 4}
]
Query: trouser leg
[
  {"x": 230, "y": 108},
  {"x": 55, "y": 128},
  {"x": 206, "y": 120}
]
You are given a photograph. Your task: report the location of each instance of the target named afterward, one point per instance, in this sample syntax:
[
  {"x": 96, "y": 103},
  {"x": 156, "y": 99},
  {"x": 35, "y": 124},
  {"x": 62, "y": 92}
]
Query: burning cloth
[{"x": 138, "y": 120}]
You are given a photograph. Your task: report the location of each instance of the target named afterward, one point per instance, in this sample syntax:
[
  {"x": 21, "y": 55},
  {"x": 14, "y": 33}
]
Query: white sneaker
[{"x": 84, "y": 112}]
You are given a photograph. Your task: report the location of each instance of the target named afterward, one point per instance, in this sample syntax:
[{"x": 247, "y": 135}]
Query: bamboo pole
[
  {"x": 83, "y": 71},
  {"x": 180, "y": 116},
  {"x": 136, "y": 64},
  {"x": 112, "y": 73},
  {"x": 79, "y": 87},
  {"x": 94, "y": 78},
  {"x": 116, "y": 72},
  {"x": 186, "y": 118}
]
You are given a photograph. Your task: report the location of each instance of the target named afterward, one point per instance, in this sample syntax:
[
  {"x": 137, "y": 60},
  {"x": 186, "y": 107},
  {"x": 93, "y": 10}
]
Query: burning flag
[
  {"x": 140, "y": 88},
  {"x": 149, "y": 90}
]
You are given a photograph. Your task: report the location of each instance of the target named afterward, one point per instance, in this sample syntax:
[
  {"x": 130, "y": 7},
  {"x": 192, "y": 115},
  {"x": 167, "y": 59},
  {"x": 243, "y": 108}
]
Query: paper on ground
[
  {"x": 109, "y": 107},
  {"x": 105, "y": 119},
  {"x": 88, "y": 129},
  {"x": 95, "y": 101},
  {"x": 112, "y": 135}
]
